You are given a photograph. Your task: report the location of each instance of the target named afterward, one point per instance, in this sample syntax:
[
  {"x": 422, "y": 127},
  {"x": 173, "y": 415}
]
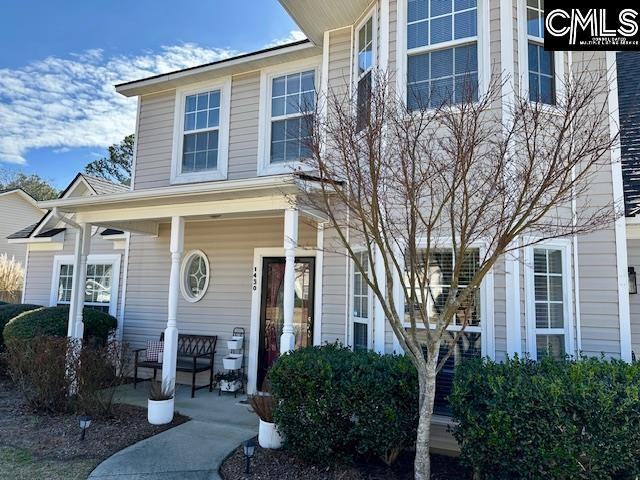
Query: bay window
[
  {"x": 442, "y": 49},
  {"x": 360, "y": 304},
  {"x": 548, "y": 297},
  {"x": 541, "y": 76},
  {"x": 364, "y": 71},
  {"x": 437, "y": 269}
]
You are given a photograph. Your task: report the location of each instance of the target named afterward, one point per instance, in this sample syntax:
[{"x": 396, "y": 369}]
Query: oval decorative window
[{"x": 195, "y": 276}]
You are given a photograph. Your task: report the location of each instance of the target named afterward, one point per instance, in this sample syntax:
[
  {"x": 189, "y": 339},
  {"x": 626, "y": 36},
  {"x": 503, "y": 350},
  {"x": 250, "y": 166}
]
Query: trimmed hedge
[
  {"x": 548, "y": 419},
  {"x": 53, "y": 321},
  {"x": 332, "y": 403},
  {"x": 9, "y": 311}
]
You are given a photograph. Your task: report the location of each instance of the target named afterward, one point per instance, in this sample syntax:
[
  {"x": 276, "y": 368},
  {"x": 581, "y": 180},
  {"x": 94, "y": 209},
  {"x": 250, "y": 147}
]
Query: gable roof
[
  {"x": 628, "y": 64},
  {"x": 21, "y": 193},
  {"x": 97, "y": 186}
]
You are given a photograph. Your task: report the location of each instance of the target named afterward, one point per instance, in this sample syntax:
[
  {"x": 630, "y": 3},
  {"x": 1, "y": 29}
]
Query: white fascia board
[
  {"x": 59, "y": 238},
  {"x": 228, "y": 186}
]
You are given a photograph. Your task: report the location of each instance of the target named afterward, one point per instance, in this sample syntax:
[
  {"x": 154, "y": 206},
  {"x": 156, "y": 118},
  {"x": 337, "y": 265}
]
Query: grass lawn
[{"x": 21, "y": 464}]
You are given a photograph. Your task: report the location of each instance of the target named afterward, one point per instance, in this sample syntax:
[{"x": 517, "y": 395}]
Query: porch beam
[
  {"x": 170, "y": 353},
  {"x": 78, "y": 282},
  {"x": 288, "y": 339}
]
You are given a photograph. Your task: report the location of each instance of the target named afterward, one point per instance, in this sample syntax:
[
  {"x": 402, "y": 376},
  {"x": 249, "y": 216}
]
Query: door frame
[{"x": 256, "y": 297}]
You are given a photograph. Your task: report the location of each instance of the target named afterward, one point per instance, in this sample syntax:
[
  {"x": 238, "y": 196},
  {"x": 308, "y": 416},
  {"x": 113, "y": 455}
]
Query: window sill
[
  {"x": 267, "y": 169},
  {"x": 198, "y": 177}
]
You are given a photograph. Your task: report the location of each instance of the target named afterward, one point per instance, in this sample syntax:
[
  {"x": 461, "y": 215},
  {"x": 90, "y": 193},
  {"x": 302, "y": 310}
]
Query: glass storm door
[{"x": 272, "y": 314}]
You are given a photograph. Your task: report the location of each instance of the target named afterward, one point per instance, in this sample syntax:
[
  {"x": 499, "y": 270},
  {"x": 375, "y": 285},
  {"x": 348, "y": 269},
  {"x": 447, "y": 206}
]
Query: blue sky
[{"x": 58, "y": 109}]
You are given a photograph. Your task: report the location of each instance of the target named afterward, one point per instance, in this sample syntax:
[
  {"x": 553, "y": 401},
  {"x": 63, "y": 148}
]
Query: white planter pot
[
  {"x": 160, "y": 412},
  {"x": 234, "y": 344},
  {"x": 227, "y": 386},
  {"x": 232, "y": 361},
  {"x": 268, "y": 436}
]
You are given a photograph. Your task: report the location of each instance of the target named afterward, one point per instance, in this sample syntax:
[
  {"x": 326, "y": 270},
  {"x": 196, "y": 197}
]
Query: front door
[{"x": 272, "y": 314}]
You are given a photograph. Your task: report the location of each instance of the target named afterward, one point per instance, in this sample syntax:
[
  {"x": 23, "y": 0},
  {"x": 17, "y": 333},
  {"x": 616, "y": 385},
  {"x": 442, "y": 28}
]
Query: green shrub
[
  {"x": 332, "y": 403},
  {"x": 53, "y": 321},
  {"x": 548, "y": 419},
  {"x": 8, "y": 311}
]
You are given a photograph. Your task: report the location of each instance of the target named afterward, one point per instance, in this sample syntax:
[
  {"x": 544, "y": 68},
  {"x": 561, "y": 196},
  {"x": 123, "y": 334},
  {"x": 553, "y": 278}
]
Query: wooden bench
[{"x": 195, "y": 355}]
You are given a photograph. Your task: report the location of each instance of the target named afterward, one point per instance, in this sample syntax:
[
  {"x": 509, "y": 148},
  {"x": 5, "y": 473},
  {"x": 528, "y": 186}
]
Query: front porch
[{"x": 235, "y": 231}]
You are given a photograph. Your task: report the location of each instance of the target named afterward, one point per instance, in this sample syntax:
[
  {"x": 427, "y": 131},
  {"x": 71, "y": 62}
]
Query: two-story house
[{"x": 207, "y": 240}]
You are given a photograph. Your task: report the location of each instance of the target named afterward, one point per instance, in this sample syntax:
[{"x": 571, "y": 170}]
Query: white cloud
[
  {"x": 70, "y": 102},
  {"x": 294, "y": 36}
]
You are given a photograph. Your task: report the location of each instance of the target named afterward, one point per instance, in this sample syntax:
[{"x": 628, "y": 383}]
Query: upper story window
[
  {"x": 287, "y": 108},
  {"x": 364, "y": 63},
  {"x": 442, "y": 48},
  {"x": 201, "y": 134},
  {"x": 292, "y": 105},
  {"x": 542, "y": 84}
]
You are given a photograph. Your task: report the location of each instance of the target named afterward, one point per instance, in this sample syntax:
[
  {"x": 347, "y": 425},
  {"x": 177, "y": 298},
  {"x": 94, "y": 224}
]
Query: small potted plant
[
  {"x": 160, "y": 404},
  {"x": 262, "y": 404},
  {"x": 229, "y": 381}
]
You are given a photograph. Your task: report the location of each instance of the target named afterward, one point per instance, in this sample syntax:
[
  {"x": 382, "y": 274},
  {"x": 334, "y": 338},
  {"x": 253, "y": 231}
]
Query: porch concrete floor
[{"x": 193, "y": 450}]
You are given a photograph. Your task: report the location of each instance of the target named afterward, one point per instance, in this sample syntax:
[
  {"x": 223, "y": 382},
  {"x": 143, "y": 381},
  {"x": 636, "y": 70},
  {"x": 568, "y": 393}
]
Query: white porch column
[
  {"x": 288, "y": 339},
  {"x": 170, "y": 353},
  {"x": 78, "y": 282}
]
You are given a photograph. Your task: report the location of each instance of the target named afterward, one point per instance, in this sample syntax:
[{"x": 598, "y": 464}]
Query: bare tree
[{"x": 408, "y": 184}]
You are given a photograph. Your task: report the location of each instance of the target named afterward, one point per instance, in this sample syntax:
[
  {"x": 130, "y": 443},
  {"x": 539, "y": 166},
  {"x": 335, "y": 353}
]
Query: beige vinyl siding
[
  {"x": 597, "y": 252},
  {"x": 335, "y": 290},
  {"x": 340, "y": 61},
  {"x": 17, "y": 213},
  {"x": 155, "y": 140},
  {"x": 243, "y": 133},
  {"x": 229, "y": 246},
  {"x": 40, "y": 267},
  {"x": 633, "y": 257}
]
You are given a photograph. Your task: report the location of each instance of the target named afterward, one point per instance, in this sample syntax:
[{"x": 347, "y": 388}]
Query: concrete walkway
[{"x": 192, "y": 451}]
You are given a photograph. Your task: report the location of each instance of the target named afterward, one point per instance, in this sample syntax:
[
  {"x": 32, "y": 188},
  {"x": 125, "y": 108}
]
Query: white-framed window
[
  {"x": 443, "y": 45},
  {"x": 541, "y": 72},
  {"x": 364, "y": 63},
  {"x": 201, "y": 132},
  {"x": 477, "y": 315},
  {"x": 101, "y": 290},
  {"x": 195, "y": 275},
  {"x": 287, "y": 106},
  {"x": 361, "y": 305},
  {"x": 549, "y": 299}
]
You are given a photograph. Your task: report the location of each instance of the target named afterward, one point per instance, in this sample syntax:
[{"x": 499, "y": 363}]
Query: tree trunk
[{"x": 427, "y": 383}]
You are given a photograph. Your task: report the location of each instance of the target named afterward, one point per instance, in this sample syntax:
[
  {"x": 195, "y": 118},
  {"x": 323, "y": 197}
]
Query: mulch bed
[
  {"x": 282, "y": 465},
  {"x": 58, "y": 436}
]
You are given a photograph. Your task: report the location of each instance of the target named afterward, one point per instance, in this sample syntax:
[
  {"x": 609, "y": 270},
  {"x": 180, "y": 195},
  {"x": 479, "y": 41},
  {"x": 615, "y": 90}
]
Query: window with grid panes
[
  {"x": 437, "y": 270},
  {"x": 542, "y": 84},
  {"x": 549, "y": 297},
  {"x": 360, "y": 302},
  {"x": 365, "y": 72},
  {"x": 98, "y": 285},
  {"x": 292, "y": 105},
  {"x": 442, "y": 49},
  {"x": 201, "y": 132}
]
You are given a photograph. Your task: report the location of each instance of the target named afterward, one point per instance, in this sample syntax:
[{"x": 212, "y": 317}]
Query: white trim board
[{"x": 256, "y": 296}]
